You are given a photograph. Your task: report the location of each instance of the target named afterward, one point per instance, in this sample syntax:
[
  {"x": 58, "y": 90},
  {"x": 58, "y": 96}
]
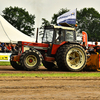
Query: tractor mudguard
[{"x": 15, "y": 58}]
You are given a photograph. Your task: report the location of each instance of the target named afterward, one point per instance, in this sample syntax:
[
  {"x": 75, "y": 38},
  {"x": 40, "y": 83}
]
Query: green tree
[
  {"x": 88, "y": 20},
  {"x": 44, "y": 23},
  {"x": 20, "y": 19}
]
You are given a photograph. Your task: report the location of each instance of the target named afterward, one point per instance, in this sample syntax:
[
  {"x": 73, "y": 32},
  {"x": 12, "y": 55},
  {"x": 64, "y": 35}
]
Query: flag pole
[{"x": 76, "y": 13}]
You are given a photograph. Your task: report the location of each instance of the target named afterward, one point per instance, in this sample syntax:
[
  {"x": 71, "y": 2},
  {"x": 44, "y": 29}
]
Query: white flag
[{"x": 68, "y": 17}]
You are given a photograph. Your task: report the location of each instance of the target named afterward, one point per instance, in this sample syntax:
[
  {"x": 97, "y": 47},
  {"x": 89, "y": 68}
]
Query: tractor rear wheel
[
  {"x": 16, "y": 65},
  {"x": 71, "y": 57},
  {"x": 31, "y": 59}
]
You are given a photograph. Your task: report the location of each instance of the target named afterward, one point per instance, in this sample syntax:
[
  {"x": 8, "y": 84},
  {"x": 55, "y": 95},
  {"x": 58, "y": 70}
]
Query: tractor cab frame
[{"x": 58, "y": 34}]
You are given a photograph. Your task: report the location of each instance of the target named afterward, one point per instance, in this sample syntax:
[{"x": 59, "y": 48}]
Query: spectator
[
  {"x": 5, "y": 48},
  {"x": 96, "y": 47},
  {"x": 91, "y": 50},
  {"x": 0, "y": 49},
  {"x": 16, "y": 47},
  {"x": 9, "y": 47},
  {"x": 12, "y": 47},
  {"x": 84, "y": 45}
]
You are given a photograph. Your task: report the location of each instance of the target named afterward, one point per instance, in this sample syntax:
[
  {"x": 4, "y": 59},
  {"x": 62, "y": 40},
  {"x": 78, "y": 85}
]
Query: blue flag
[{"x": 68, "y": 17}]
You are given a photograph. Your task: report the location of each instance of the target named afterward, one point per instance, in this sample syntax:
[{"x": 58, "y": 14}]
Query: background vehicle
[{"x": 59, "y": 49}]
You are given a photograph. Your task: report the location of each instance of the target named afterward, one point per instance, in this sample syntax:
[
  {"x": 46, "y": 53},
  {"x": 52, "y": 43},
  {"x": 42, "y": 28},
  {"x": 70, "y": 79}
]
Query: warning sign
[{"x": 3, "y": 57}]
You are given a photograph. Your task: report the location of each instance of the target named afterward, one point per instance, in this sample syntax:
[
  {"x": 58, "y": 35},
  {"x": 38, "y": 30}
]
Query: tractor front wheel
[{"x": 31, "y": 59}]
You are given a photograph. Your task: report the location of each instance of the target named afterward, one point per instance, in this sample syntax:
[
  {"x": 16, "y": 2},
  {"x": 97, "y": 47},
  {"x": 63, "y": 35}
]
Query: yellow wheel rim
[
  {"x": 31, "y": 60},
  {"x": 75, "y": 58}
]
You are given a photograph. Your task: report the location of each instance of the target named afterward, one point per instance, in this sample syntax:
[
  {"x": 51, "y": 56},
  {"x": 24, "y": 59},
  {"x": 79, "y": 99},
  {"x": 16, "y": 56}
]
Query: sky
[{"x": 46, "y": 8}]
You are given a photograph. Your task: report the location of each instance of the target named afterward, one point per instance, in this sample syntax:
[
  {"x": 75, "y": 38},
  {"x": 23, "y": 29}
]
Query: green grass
[
  {"x": 52, "y": 75},
  {"x": 5, "y": 63}
]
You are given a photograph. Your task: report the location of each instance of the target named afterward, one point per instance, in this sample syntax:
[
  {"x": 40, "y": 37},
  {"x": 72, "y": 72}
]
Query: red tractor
[{"x": 59, "y": 49}]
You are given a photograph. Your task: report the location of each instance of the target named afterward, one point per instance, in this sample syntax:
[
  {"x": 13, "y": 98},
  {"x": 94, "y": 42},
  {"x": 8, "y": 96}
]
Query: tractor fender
[{"x": 56, "y": 47}]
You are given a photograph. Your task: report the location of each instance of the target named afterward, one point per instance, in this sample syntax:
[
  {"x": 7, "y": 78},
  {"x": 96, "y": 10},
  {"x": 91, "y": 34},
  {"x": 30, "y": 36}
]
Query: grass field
[
  {"x": 51, "y": 75},
  {"x": 5, "y": 63}
]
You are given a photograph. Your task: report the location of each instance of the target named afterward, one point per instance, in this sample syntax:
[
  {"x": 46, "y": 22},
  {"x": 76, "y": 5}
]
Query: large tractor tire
[
  {"x": 71, "y": 57},
  {"x": 16, "y": 65},
  {"x": 49, "y": 65},
  {"x": 31, "y": 59}
]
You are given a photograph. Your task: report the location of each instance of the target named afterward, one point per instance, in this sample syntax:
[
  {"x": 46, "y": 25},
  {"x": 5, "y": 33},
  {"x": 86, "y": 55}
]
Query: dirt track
[{"x": 58, "y": 88}]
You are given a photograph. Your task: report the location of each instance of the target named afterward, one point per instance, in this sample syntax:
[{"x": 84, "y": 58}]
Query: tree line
[{"x": 88, "y": 20}]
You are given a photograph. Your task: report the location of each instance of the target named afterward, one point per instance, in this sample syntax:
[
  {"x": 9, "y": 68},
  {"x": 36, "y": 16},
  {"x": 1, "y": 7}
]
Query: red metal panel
[
  {"x": 35, "y": 44},
  {"x": 56, "y": 46}
]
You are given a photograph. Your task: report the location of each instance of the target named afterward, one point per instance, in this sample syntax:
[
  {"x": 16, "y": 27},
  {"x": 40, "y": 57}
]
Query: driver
[{"x": 60, "y": 38}]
